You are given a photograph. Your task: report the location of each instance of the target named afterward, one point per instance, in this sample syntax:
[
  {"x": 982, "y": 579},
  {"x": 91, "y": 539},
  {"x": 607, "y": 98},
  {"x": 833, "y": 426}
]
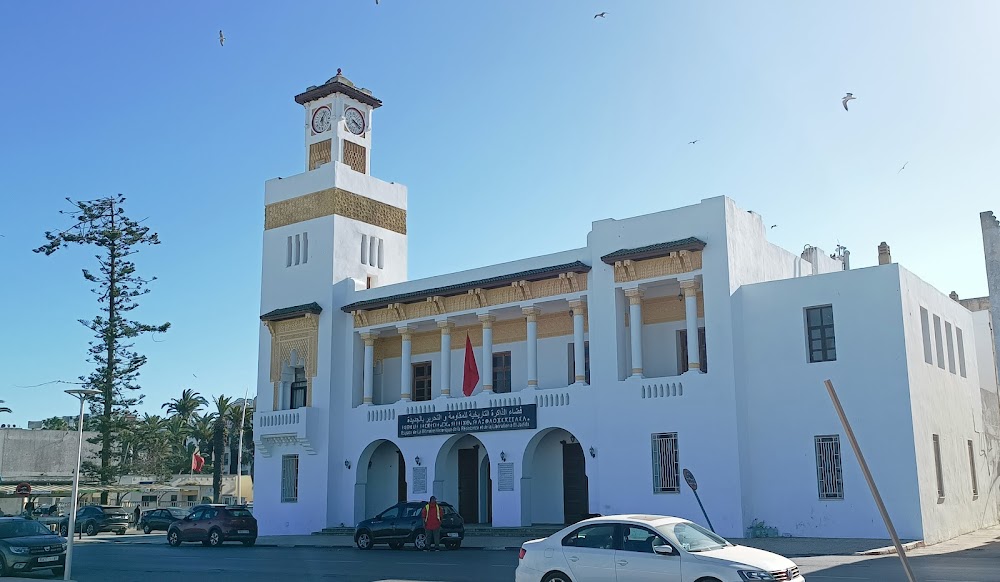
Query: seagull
[
  {"x": 773, "y": 225},
  {"x": 222, "y": 41},
  {"x": 847, "y": 98},
  {"x": 195, "y": 375},
  {"x": 601, "y": 15},
  {"x": 694, "y": 142},
  {"x": 903, "y": 168}
]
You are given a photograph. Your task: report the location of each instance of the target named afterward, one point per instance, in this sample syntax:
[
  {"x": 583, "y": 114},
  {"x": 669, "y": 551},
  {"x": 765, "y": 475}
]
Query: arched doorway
[
  {"x": 554, "y": 484},
  {"x": 462, "y": 478},
  {"x": 381, "y": 478}
]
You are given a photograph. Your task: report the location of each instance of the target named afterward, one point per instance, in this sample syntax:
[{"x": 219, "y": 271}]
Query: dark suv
[
  {"x": 94, "y": 519},
  {"x": 402, "y": 524},
  {"x": 213, "y": 524}
]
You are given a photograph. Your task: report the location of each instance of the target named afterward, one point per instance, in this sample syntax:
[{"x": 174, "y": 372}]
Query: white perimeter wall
[{"x": 785, "y": 404}]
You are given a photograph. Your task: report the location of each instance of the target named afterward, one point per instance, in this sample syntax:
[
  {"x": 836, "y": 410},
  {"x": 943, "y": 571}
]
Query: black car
[
  {"x": 160, "y": 519},
  {"x": 26, "y": 546},
  {"x": 94, "y": 519},
  {"x": 212, "y": 525},
  {"x": 402, "y": 524}
]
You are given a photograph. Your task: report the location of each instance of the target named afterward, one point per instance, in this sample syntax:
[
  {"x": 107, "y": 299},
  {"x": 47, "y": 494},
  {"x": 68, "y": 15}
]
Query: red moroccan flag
[
  {"x": 197, "y": 462},
  {"x": 471, "y": 370}
]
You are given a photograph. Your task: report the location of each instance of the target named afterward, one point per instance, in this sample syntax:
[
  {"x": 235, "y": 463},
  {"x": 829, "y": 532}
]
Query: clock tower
[{"x": 338, "y": 123}]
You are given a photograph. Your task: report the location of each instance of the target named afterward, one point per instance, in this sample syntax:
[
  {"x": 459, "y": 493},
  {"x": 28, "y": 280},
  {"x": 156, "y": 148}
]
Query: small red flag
[
  {"x": 197, "y": 462},
  {"x": 471, "y": 370}
]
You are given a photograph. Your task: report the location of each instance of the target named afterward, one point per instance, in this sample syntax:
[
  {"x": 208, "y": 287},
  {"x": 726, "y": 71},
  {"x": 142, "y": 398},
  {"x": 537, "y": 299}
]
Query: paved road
[{"x": 122, "y": 562}]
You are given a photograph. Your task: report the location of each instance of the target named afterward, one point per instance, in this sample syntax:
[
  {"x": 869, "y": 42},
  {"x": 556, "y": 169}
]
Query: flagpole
[{"x": 239, "y": 454}]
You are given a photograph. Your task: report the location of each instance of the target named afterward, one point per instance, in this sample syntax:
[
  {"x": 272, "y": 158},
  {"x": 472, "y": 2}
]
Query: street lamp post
[{"x": 82, "y": 394}]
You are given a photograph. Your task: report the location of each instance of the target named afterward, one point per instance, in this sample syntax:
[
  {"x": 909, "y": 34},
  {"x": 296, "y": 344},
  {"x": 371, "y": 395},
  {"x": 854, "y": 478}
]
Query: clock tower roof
[{"x": 338, "y": 84}]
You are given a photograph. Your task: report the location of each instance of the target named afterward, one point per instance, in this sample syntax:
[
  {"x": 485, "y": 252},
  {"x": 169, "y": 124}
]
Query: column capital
[
  {"x": 578, "y": 304},
  {"x": 369, "y": 337},
  {"x": 406, "y": 331},
  {"x": 689, "y": 287},
  {"x": 634, "y": 295},
  {"x": 531, "y": 313},
  {"x": 445, "y": 325},
  {"x": 487, "y": 320}
]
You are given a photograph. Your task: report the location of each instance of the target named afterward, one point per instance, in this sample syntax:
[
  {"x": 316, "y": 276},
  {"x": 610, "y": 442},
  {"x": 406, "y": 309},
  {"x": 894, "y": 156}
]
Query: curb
[{"x": 891, "y": 549}]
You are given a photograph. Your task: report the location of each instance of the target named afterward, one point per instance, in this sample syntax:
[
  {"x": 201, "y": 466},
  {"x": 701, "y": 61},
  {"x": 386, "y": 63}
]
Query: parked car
[
  {"x": 160, "y": 519},
  {"x": 27, "y": 546},
  {"x": 642, "y": 548},
  {"x": 94, "y": 519},
  {"x": 402, "y": 524},
  {"x": 212, "y": 525}
]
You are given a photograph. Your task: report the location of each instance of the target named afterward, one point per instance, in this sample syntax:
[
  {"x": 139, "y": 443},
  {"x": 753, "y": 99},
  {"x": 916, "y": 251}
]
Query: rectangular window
[
  {"x": 305, "y": 247},
  {"x": 938, "y": 342},
  {"x": 961, "y": 351},
  {"x": 364, "y": 249},
  {"x": 149, "y": 499},
  {"x": 372, "y": 250},
  {"x": 501, "y": 372},
  {"x": 937, "y": 467},
  {"x": 821, "y": 338},
  {"x": 288, "y": 254},
  {"x": 289, "y": 478},
  {"x": 925, "y": 330},
  {"x": 298, "y": 249},
  {"x": 381, "y": 254},
  {"x": 972, "y": 469},
  {"x": 682, "y": 342},
  {"x": 571, "y": 348},
  {"x": 829, "y": 472},
  {"x": 951, "y": 347},
  {"x": 666, "y": 469},
  {"x": 299, "y": 388},
  {"x": 422, "y": 381}
]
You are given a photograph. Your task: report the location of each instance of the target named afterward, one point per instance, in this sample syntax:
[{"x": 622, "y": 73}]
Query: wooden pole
[{"x": 871, "y": 481}]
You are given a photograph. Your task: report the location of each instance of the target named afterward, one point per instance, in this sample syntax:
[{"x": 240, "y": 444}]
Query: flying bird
[
  {"x": 773, "y": 225},
  {"x": 222, "y": 41},
  {"x": 601, "y": 15},
  {"x": 903, "y": 168},
  {"x": 848, "y": 97},
  {"x": 694, "y": 142}
]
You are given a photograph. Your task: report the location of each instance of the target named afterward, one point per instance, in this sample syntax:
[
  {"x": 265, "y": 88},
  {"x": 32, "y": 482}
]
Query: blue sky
[{"x": 514, "y": 124}]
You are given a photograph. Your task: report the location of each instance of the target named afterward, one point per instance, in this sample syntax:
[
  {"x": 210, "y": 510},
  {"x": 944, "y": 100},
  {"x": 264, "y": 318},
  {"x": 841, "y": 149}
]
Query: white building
[{"x": 676, "y": 340}]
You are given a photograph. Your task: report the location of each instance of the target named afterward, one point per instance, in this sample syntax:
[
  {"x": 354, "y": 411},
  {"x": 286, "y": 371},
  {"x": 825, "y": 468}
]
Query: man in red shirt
[{"x": 431, "y": 513}]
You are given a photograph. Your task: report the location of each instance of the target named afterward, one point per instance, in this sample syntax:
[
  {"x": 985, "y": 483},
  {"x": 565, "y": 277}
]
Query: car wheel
[
  {"x": 420, "y": 541},
  {"x": 64, "y": 531},
  {"x": 146, "y": 529},
  {"x": 173, "y": 538},
  {"x": 364, "y": 540},
  {"x": 120, "y": 532},
  {"x": 3, "y": 567},
  {"x": 396, "y": 545},
  {"x": 91, "y": 529},
  {"x": 215, "y": 538},
  {"x": 249, "y": 543},
  {"x": 556, "y": 577},
  {"x": 61, "y": 570}
]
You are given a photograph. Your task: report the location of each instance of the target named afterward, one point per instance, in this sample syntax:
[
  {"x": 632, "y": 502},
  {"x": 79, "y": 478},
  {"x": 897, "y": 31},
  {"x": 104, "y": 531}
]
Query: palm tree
[
  {"x": 220, "y": 427},
  {"x": 178, "y": 432},
  {"x": 187, "y": 405},
  {"x": 151, "y": 447}
]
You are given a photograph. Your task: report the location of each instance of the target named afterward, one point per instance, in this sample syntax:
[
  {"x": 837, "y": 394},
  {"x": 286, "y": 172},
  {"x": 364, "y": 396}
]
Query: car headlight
[
  {"x": 755, "y": 575},
  {"x": 19, "y": 549}
]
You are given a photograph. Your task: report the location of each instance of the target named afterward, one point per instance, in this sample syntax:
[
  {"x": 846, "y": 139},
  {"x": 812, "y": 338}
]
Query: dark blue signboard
[{"x": 475, "y": 420}]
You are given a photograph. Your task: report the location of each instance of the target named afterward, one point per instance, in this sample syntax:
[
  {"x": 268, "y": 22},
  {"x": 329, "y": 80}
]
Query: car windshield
[
  {"x": 178, "y": 513},
  {"x": 20, "y": 529},
  {"x": 239, "y": 513},
  {"x": 692, "y": 537}
]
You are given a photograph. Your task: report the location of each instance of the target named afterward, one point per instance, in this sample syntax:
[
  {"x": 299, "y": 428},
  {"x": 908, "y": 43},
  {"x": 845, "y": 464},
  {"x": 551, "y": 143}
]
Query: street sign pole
[
  {"x": 689, "y": 477},
  {"x": 870, "y": 480}
]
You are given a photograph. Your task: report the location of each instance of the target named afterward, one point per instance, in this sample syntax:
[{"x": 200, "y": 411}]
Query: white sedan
[{"x": 641, "y": 548}]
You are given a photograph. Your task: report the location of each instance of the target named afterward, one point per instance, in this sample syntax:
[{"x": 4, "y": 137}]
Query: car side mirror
[{"x": 663, "y": 550}]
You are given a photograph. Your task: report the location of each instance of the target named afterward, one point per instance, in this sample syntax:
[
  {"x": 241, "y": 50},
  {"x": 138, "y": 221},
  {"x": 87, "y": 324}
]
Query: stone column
[
  {"x": 368, "y": 371},
  {"x": 405, "y": 364},
  {"x": 635, "y": 328},
  {"x": 446, "y": 327},
  {"x": 532, "y": 314},
  {"x": 690, "y": 289},
  {"x": 487, "y": 351},
  {"x": 579, "y": 356}
]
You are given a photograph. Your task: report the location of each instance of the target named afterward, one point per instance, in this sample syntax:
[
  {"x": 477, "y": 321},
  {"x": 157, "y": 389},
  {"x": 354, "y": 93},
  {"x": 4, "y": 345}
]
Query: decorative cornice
[
  {"x": 335, "y": 201},
  {"x": 629, "y": 270},
  {"x": 654, "y": 251}
]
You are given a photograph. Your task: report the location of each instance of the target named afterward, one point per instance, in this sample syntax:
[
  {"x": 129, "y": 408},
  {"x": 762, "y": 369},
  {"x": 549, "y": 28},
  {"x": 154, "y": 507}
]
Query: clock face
[
  {"x": 355, "y": 121},
  {"x": 321, "y": 119}
]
